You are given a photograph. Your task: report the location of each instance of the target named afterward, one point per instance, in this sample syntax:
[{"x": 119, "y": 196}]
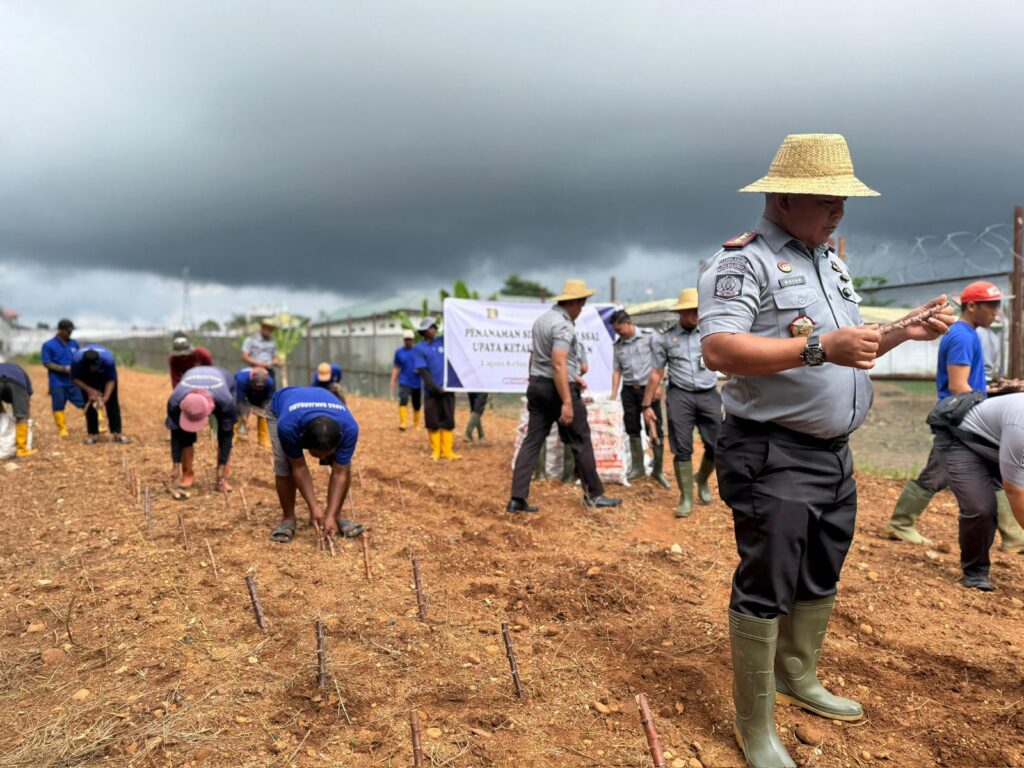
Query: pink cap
[{"x": 196, "y": 408}]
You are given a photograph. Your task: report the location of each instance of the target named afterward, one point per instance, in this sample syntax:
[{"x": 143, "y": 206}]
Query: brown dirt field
[{"x": 179, "y": 674}]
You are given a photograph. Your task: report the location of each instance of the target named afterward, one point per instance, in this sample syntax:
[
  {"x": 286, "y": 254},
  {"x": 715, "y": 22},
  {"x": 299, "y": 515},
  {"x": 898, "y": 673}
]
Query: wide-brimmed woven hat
[
  {"x": 812, "y": 164},
  {"x": 574, "y": 289},
  {"x": 687, "y": 300}
]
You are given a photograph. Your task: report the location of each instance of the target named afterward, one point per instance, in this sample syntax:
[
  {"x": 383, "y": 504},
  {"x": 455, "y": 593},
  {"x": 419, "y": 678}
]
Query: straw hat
[
  {"x": 812, "y": 164},
  {"x": 574, "y": 289},
  {"x": 269, "y": 322},
  {"x": 687, "y": 300}
]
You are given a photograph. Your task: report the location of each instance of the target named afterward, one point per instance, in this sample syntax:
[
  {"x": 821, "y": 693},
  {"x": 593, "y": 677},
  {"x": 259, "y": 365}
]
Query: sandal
[
  {"x": 90, "y": 440},
  {"x": 284, "y": 532},
  {"x": 120, "y": 439},
  {"x": 348, "y": 529}
]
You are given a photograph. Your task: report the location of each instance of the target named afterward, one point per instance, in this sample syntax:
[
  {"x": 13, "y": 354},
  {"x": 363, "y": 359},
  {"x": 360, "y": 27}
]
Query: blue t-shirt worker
[
  {"x": 312, "y": 419},
  {"x": 94, "y": 372},
  {"x": 16, "y": 391},
  {"x": 404, "y": 376},
  {"x": 57, "y": 355}
]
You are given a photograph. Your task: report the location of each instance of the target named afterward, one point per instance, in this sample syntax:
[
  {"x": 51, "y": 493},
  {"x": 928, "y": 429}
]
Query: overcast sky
[{"x": 322, "y": 152}]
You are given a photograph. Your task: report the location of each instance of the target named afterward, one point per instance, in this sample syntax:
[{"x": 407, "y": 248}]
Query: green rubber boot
[
  {"x": 707, "y": 466},
  {"x": 480, "y": 428},
  {"x": 684, "y": 478},
  {"x": 801, "y": 634},
  {"x": 658, "y": 473},
  {"x": 753, "y": 690},
  {"x": 540, "y": 471},
  {"x": 568, "y": 465},
  {"x": 909, "y": 507},
  {"x": 1010, "y": 532},
  {"x": 636, "y": 456},
  {"x": 473, "y": 423}
]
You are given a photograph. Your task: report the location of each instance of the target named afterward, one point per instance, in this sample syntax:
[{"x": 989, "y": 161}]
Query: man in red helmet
[{"x": 961, "y": 369}]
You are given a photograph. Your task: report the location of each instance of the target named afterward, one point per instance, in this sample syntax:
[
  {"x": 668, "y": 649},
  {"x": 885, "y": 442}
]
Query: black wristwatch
[
  {"x": 813, "y": 354},
  {"x": 645, "y": 407}
]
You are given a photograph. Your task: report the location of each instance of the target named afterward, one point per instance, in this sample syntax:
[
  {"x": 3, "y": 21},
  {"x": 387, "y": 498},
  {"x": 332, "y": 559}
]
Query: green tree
[
  {"x": 209, "y": 326},
  {"x": 517, "y": 286}
]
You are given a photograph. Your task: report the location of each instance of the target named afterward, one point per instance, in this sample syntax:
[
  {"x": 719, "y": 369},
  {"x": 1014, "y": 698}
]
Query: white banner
[{"x": 487, "y": 345}]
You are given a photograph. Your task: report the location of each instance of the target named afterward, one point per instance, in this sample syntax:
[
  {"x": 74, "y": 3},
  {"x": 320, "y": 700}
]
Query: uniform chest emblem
[
  {"x": 802, "y": 326},
  {"x": 728, "y": 286},
  {"x": 785, "y": 266}
]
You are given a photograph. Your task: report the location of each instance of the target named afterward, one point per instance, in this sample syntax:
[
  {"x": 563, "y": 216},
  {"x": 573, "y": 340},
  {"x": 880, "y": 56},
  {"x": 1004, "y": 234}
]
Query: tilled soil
[{"x": 176, "y": 672}]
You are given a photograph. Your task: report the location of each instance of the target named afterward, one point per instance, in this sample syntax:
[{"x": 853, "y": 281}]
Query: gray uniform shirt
[
  {"x": 259, "y": 349},
  {"x": 554, "y": 330},
  {"x": 761, "y": 289},
  {"x": 678, "y": 351},
  {"x": 634, "y": 357},
  {"x": 1000, "y": 420}
]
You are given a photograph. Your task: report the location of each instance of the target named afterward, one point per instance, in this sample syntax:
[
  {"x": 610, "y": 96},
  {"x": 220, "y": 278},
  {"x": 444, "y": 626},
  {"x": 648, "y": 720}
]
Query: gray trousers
[
  {"x": 974, "y": 481},
  {"x": 933, "y": 477},
  {"x": 687, "y": 410}
]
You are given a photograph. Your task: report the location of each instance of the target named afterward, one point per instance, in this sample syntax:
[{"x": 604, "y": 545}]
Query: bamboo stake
[
  {"x": 359, "y": 474},
  {"x": 401, "y": 496},
  {"x": 330, "y": 545},
  {"x": 256, "y": 607},
  {"x": 147, "y": 505},
  {"x": 184, "y": 531},
  {"x": 911, "y": 320},
  {"x": 520, "y": 694},
  {"x": 227, "y": 503},
  {"x": 321, "y": 660},
  {"x": 647, "y": 721},
  {"x": 366, "y": 555},
  {"x": 421, "y": 599},
  {"x": 417, "y": 746},
  {"x": 213, "y": 560},
  {"x": 124, "y": 465},
  {"x": 136, "y": 490},
  {"x": 245, "y": 507}
]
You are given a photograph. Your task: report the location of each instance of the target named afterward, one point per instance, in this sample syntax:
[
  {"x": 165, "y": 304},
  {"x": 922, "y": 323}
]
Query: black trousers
[
  {"x": 933, "y": 477},
  {"x": 687, "y": 410},
  {"x": 632, "y": 412},
  {"x": 477, "y": 402},
  {"x": 545, "y": 406},
  {"x": 794, "y": 503},
  {"x": 439, "y": 410},
  {"x": 180, "y": 439},
  {"x": 974, "y": 481},
  {"x": 113, "y": 409},
  {"x": 12, "y": 392},
  {"x": 405, "y": 393}
]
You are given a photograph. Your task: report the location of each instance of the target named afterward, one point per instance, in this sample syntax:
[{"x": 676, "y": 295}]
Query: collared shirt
[
  {"x": 634, "y": 357},
  {"x": 57, "y": 352},
  {"x": 405, "y": 362},
  {"x": 245, "y": 391},
  {"x": 218, "y": 382},
  {"x": 15, "y": 373},
  {"x": 259, "y": 349},
  {"x": 678, "y": 351},
  {"x": 105, "y": 369},
  {"x": 1000, "y": 420},
  {"x": 295, "y": 407},
  {"x": 761, "y": 289},
  {"x": 335, "y": 378},
  {"x": 960, "y": 346},
  {"x": 555, "y": 330},
  {"x": 430, "y": 355}
]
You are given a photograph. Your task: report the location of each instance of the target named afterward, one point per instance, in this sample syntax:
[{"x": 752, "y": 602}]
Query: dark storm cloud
[{"x": 361, "y": 146}]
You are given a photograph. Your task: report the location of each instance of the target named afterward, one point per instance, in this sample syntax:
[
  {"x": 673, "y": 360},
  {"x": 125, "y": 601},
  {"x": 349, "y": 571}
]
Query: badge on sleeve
[
  {"x": 785, "y": 266},
  {"x": 728, "y": 286},
  {"x": 802, "y": 326}
]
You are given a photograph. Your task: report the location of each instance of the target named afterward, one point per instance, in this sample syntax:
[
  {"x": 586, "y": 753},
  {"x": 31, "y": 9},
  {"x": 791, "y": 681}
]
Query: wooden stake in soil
[
  {"x": 136, "y": 489},
  {"x": 366, "y": 555},
  {"x": 184, "y": 531},
  {"x": 512, "y": 660},
  {"x": 124, "y": 465},
  {"x": 647, "y": 721},
  {"x": 421, "y": 598},
  {"x": 417, "y": 745},
  {"x": 256, "y": 607},
  {"x": 213, "y": 561},
  {"x": 401, "y": 496},
  {"x": 147, "y": 505},
  {"x": 245, "y": 507},
  {"x": 321, "y": 660},
  {"x": 227, "y": 503}
]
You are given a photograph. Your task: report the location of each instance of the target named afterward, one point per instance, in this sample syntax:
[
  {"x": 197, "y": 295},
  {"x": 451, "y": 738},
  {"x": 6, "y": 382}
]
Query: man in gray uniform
[
  {"x": 692, "y": 399},
  {"x": 981, "y": 451},
  {"x": 632, "y": 365},
  {"x": 778, "y": 312},
  {"x": 553, "y": 395}
]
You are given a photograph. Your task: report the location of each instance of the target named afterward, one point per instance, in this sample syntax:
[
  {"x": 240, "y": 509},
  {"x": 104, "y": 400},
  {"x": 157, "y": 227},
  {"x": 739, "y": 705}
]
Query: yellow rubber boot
[
  {"x": 61, "y": 421},
  {"x": 435, "y": 444},
  {"x": 415, "y": 418},
  {"x": 447, "y": 451},
  {"x": 403, "y": 417},
  {"x": 21, "y": 437},
  {"x": 262, "y": 432}
]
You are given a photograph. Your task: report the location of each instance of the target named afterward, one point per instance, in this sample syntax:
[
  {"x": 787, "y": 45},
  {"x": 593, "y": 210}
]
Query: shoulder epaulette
[{"x": 741, "y": 240}]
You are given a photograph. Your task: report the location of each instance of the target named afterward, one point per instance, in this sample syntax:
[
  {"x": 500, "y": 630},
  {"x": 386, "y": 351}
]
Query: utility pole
[
  {"x": 612, "y": 288},
  {"x": 1017, "y": 286},
  {"x": 186, "y": 301}
]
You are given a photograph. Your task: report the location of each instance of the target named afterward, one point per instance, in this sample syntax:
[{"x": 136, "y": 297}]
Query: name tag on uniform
[
  {"x": 785, "y": 282},
  {"x": 700, "y": 362}
]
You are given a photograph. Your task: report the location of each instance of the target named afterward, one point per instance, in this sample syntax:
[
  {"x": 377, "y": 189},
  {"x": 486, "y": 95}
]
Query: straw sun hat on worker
[
  {"x": 573, "y": 290},
  {"x": 687, "y": 300},
  {"x": 812, "y": 164}
]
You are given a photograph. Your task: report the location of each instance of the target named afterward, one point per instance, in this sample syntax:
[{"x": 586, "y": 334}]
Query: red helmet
[{"x": 980, "y": 291}]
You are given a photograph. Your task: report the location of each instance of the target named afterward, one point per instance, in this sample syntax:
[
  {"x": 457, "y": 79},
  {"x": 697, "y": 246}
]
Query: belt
[
  {"x": 692, "y": 391},
  {"x": 770, "y": 429},
  {"x": 573, "y": 386}
]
